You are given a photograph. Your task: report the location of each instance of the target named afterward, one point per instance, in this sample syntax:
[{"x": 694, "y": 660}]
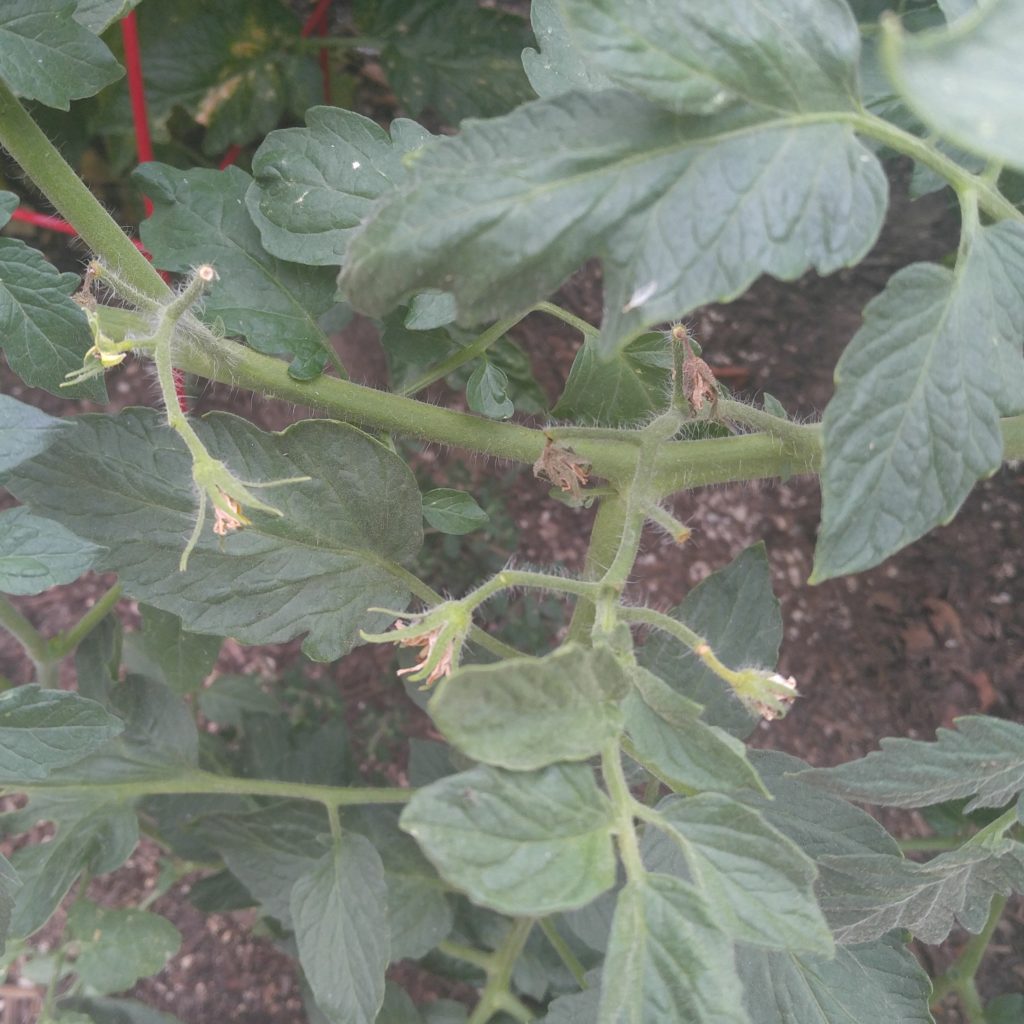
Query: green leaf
[
  {"x": 455, "y": 58},
  {"x": 398, "y": 1008},
  {"x": 42, "y": 331},
  {"x": 487, "y": 391},
  {"x": 915, "y": 418},
  {"x": 200, "y": 216},
  {"x": 517, "y": 842},
  {"x": 869, "y": 895},
  {"x": 525, "y": 713},
  {"x": 452, "y": 511},
  {"x": 36, "y": 554},
  {"x": 313, "y": 186},
  {"x": 98, "y": 15},
  {"x": 338, "y": 911},
  {"x": 9, "y": 886},
  {"x": 983, "y": 758},
  {"x": 963, "y": 81},
  {"x": 102, "y": 1010},
  {"x": 229, "y": 698},
  {"x": 577, "y": 1007},
  {"x": 796, "y": 55},
  {"x": 1008, "y": 1009},
  {"x": 623, "y": 390},
  {"x": 43, "y": 730},
  {"x": 164, "y": 651},
  {"x": 532, "y": 195},
  {"x": 8, "y": 204},
  {"x": 126, "y": 482},
  {"x": 668, "y": 738},
  {"x": 98, "y": 660},
  {"x": 760, "y": 883},
  {"x": 118, "y": 947},
  {"x": 430, "y": 309},
  {"x": 25, "y": 431},
  {"x": 560, "y": 66},
  {"x": 867, "y": 984},
  {"x": 667, "y": 959},
  {"x": 46, "y": 55},
  {"x": 735, "y": 610}
]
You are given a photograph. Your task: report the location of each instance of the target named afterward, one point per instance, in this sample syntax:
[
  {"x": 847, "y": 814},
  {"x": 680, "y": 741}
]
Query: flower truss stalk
[{"x": 497, "y": 995}]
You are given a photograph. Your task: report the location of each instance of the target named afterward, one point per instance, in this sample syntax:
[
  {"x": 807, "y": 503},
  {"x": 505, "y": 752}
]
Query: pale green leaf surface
[
  {"x": 914, "y": 421},
  {"x": 487, "y": 391},
  {"x": 339, "y": 914},
  {"x": 43, "y": 333},
  {"x": 517, "y": 842},
  {"x": 576, "y": 1007},
  {"x": 760, "y": 883},
  {"x": 25, "y": 431},
  {"x": 8, "y": 204},
  {"x": 118, "y": 947},
  {"x": 36, "y": 554},
  {"x": 9, "y": 886},
  {"x": 200, "y": 216},
  {"x": 532, "y": 195},
  {"x": 965, "y": 81},
  {"x": 983, "y": 758},
  {"x": 735, "y": 610},
  {"x": 313, "y": 186},
  {"x": 452, "y": 511},
  {"x": 559, "y": 65},
  {"x": 125, "y": 482},
  {"x": 46, "y": 55},
  {"x": 44, "y": 730},
  {"x": 98, "y": 15},
  {"x": 430, "y": 309},
  {"x": 869, "y": 984},
  {"x": 790, "y": 55},
  {"x": 667, "y": 960},
  {"x": 166, "y": 652},
  {"x": 867, "y": 896}
]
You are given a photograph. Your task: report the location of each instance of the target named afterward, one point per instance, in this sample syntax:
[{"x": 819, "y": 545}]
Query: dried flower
[
  {"x": 225, "y": 522},
  {"x": 563, "y": 467},
  {"x": 434, "y": 663}
]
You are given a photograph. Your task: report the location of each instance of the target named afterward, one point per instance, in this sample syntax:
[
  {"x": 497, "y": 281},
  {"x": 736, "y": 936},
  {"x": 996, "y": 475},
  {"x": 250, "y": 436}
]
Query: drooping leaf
[
  {"x": 25, "y": 431},
  {"x": 339, "y": 914},
  {"x": 621, "y": 391},
  {"x": 760, "y": 883},
  {"x": 125, "y": 482},
  {"x": 200, "y": 216},
  {"x": 43, "y": 333},
  {"x": 532, "y": 195},
  {"x": 667, "y": 959},
  {"x": 43, "y": 730},
  {"x": 735, "y": 610},
  {"x": 869, "y": 895},
  {"x": 983, "y": 758},
  {"x": 487, "y": 391},
  {"x": 170, "y": 654},
  {"x": 36, "y": 554},
  {"x": 962, "y": 81},
  {"x": 866, "y": 984},
  {"x": 794, "y": 55},
  {"x": 915, "y": 418},
  {"x": 559, "y": 66},
  {"x": 313, "y": 186},
  {"x": 518, "y": 842},
  {"x": 46, "y": 55},
  {"x": 452, "y": 511},
  {"x": 118, "y": 947}
]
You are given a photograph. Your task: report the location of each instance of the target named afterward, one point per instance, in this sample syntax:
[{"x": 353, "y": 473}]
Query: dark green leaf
[
  {"x": 164, "y": 651},
  {"x": 126, "y": 482},
  {"x": 220, "y": 892},
  {"x": 46, "y": 55},
  {"x": 869, "y": 895},
  {"x": 118, "y": 947},
  {"x": 796, "y": 55},
  {"x": 667, "y": 959},
  {"x": 452, "y": 511},
  {"x": 398, "y": 1008},
  {"x": 36, "y": 554},
  {"x": 760, "y": 883},
  {"x": 98, "y": 660},
  {"x": 9, "y": 886},
  {"x": 915, "y": 418},
  {"x": 487, "y": 391},
  {"x": 315, "y": 753},
  {"x": 338, "y": 910},
  {"x": 25, "y": 431},
  {"x": 620, "y": 391},
  {"x": 867, "y": 984},
  {"x": 98, "y": 15},
  {"x": 525, "y": 713},
  {"x": 200, "y": 216},
  {"x": 982, "y": 758},
  {"x": 43, "y": 730},
  {"x": 102, "y": 1010},
  {"x": 1007, "y": 1009},
  {"x": 560, "y": 66},
  {"x": 228, "y": 698},
  {"x": 430, "y": 309},
  {"x": 411, "y": 352},
  {"x": 518, "y": 842},
  {"x": 735, "y": 610},
  {"x": 577, "y": 1007},
  {"x": 774, "y": 406},
  {"x": 312, "y": 187},
  {"x": 44, "y": 334},
  {"x": 963, "y": 81},
  {"x": 8, "y": 204}
]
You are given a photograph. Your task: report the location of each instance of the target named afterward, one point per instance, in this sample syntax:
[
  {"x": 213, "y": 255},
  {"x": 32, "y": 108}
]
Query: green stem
[
  {"x": 931, "y": 844},
  {"x": 63, "y": 644},
  {"x": 509, "y": 579},
  {"x": 335, "y": 820},
  {"x": 496, "y": 994},
  {"x": 658, "y": 620},
  {"x": 605, "y": 536},
  {"x": 587, "y": 330},
  {"x": 476, "y": 957},
  {"x": 995, "y": 829},
  {"x": 33, "y": 642},
  {"x": 565, "y": 953},
  {"x": 623, "y": 805},
  {"x": 775, "y": 426}
]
